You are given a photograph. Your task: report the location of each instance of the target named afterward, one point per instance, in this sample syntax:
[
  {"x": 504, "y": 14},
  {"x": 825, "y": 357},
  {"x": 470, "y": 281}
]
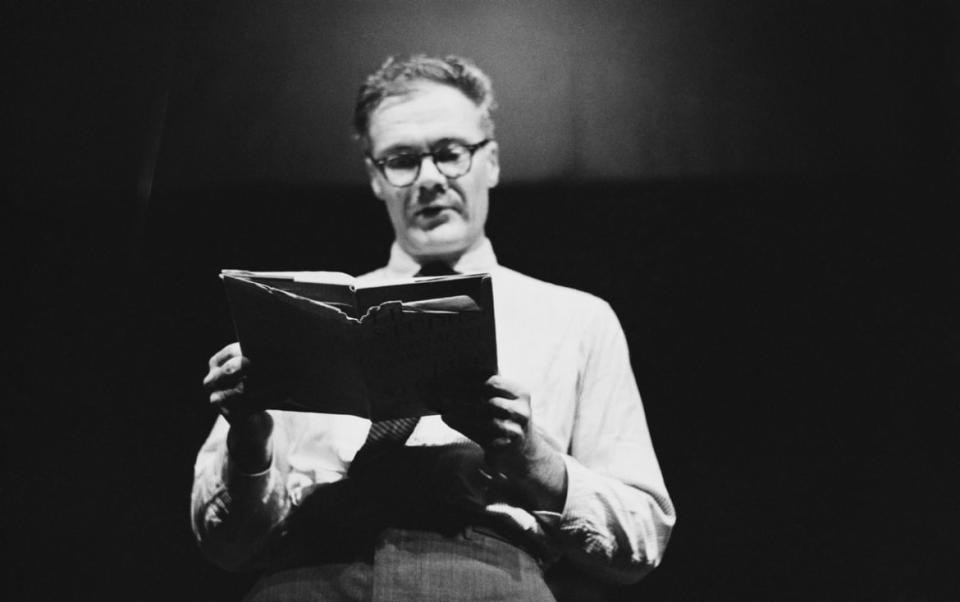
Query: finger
[
  {"x": 240, "y": 400},
  {"x": 500, "y": 443},
  {"x": 485, "y": 412},
  {"x": 227, "y": 375},
  {"x": 217, "y": 379},
  {"x": 223, "y": 397},
  {"x": 503, "y": 387},
  {"x": 229, "y": 402},
  {"x": 218, "y": 358},
  {"x": 488, "y": 432},
  {"x": 511, "y": 409},
  {"x": 509, "y": 429},
  {"x": 505, "y": 442}
]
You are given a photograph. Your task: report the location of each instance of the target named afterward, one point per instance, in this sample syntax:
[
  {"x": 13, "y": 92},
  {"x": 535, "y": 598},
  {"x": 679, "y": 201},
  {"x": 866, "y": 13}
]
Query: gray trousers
[{"x": 417, "y": 566}]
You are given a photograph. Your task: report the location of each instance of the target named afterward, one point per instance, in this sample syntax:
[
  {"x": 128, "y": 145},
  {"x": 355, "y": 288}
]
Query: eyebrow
[
  {"x": 400, "y": 149},
  {"x": 397, "y": 149}
]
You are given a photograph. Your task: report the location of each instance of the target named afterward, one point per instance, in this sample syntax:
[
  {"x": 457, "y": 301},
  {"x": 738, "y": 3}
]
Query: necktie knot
[{"x": 435, "y": 268}]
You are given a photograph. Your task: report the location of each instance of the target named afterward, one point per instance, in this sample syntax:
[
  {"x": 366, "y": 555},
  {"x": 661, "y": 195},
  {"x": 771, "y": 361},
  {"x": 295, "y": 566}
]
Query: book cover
[{"x": 321, "y": 342}]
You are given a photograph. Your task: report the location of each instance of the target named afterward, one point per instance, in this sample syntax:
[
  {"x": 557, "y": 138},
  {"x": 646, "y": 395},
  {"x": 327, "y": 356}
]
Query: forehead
[{"x": 427, "y": 113}]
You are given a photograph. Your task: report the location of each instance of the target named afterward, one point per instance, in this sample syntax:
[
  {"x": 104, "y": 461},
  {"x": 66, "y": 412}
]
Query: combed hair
[{"x": 398, "y": 75}]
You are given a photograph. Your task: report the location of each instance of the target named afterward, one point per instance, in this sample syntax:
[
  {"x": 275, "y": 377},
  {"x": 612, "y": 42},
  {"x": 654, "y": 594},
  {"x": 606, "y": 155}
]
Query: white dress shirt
[{"x": 567, "y": 349}]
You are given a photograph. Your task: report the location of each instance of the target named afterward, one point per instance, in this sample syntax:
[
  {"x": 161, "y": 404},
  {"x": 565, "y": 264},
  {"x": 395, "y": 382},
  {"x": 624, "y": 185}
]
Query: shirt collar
[{"x": 479, "y": 259}]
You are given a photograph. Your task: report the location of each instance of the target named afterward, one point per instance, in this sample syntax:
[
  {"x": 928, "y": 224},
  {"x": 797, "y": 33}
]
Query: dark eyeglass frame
[{"x": 381, "y": 164}]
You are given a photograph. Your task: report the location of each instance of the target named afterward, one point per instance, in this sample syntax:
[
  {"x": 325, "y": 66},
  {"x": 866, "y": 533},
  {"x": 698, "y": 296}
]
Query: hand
[
  {"x": 501, "y": 422},
  {"x": 250, "y": 426},
  {"x": 225, "y": 380}
]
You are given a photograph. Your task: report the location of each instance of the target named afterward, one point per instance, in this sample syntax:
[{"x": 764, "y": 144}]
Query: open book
[{"x": 322, "y": 342}]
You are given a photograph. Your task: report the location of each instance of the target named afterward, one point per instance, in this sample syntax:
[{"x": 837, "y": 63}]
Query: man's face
[{"x": 436, "y": 217}]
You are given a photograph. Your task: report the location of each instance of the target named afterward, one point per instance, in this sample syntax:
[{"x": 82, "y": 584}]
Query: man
[{"x": 549, "y": 459}]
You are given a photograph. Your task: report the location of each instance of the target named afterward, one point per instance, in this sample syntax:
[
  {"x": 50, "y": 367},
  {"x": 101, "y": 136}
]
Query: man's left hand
[{"x": 501, "y": 422}]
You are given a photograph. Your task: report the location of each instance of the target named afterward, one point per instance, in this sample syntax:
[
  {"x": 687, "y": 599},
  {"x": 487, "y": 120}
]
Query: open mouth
[{"x": 431, "y": 212}]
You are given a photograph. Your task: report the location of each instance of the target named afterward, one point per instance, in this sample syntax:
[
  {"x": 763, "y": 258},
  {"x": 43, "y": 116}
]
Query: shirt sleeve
[
  {"x": 618, "y": 516},
  {"x": 233, "y": 513}
]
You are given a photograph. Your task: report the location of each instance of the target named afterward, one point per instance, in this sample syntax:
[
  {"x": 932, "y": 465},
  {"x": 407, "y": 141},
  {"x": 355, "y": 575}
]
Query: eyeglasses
[{"x": 453, "y": 160}]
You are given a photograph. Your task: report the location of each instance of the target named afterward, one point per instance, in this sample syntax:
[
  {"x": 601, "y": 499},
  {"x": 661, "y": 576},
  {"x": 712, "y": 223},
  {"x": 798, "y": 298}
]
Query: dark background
[{"x": 764, "y": 191}]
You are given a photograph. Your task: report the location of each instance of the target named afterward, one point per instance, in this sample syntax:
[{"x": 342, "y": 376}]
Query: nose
[{"x": 429, "y": 175}]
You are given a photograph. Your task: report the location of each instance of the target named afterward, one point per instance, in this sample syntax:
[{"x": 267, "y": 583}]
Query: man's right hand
[
  {"x": 225, "y": 380},
  {"x": 250, "y": 428}
]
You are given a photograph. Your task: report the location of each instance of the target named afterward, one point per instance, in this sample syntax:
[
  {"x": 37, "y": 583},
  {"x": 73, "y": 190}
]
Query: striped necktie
[{"x": 385, "y": 434}]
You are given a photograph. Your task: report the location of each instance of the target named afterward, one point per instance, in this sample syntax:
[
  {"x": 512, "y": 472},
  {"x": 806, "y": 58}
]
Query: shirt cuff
[
  {"x": 577, "y": 491},
  {"x": 242, "y": 484},
  {"x": 580, "y": 495}
]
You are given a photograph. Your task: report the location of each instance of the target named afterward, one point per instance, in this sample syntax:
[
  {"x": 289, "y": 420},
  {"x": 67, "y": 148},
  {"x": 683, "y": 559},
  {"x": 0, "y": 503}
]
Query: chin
[{"x": 441, "y": 242}]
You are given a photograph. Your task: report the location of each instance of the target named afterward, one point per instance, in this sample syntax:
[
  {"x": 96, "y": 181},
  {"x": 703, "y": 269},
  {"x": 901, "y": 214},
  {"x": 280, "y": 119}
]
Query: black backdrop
[{"x": 794, "y": 331}]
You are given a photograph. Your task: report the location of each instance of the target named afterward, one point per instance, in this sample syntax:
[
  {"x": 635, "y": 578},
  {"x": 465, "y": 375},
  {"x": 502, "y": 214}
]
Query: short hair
[{"x": 398, "y": 76}]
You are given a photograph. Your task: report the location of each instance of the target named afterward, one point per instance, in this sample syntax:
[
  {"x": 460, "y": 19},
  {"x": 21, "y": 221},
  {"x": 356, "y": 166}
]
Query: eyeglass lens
[{"x": 452, "y": 160}]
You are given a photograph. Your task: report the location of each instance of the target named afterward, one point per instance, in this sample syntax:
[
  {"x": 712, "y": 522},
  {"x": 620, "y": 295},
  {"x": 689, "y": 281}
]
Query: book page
[
  {"x": 341, "y": 278},
  {"x": 332, "y": 288},
  {"x": 453, "y": 304},
  {"x": 423, "y": 289}
]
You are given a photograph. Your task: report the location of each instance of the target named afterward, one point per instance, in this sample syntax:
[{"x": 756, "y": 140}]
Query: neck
[{"x": 450, "y": 257}]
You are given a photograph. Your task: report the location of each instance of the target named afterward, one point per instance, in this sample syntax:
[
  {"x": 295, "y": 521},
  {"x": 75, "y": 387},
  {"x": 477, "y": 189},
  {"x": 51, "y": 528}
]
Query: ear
[
  {"x": 493, "y": 164},
  {"x": 373, "y": 174}
]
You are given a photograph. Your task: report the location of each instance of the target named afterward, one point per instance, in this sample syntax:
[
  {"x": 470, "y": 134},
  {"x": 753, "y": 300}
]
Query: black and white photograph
[{"x": 499, "y": 300}]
